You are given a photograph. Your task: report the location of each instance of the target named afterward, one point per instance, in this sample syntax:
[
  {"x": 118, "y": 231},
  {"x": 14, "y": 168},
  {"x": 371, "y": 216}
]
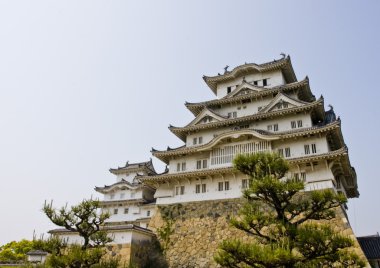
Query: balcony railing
[{"x": 225, "y": 155}]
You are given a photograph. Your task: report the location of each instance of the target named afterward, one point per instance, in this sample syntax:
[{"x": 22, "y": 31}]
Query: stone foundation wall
[
  {"x": 122, "y": 250},
  {"x": 199, "y": 227}
]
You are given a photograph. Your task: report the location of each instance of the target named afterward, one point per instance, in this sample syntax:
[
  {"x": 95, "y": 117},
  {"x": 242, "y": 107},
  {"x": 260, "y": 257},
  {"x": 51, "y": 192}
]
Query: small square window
[
  {"x": 234, "y": 114},
  {"x": 183, "y": 166},
  {"x": 281, "y": 152},
  {"x": 178, "y": 166},
  {"x": 203, "y": 188},
  {"x": 255, "y": 83},
  {"x": 148, "y": 213},
  {"x": 126, "y": 210},
  {"x": 275, "y": 127},
  {"x": 299, "y": 123},
  {"x": 228, "y": 90},
  {"x": 269, "y": 127},
  {"x": 200, "y": 140},
  {"x": 293, "y": 124},
  {"x": 115, "y": 211},
  {"x": 195, "y": 141},
  {"x": 265, "y": 82}
]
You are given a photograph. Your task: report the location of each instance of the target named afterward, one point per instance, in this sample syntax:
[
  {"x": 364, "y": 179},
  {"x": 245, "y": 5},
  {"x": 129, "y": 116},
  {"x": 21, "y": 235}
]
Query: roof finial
[
  {"x": 331, "y": 107},
  {"x": 225, "y": 69},
  {"x": 283, "y": 55}
]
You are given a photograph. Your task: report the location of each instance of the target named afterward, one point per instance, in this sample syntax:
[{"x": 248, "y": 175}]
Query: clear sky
[{"x": 88, "y": 85}]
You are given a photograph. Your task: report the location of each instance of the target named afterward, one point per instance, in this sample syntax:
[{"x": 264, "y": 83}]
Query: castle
[{"x": 258, "y": 107}]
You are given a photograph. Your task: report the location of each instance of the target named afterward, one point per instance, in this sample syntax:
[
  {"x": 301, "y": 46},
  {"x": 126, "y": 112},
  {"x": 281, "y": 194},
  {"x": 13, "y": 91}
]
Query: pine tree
[
  {"x": 289, "y": 227},
  {"x": 83, "y": 218}
]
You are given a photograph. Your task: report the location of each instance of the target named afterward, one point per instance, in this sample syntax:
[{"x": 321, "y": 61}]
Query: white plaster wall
[
  {"x": 212, "y": 192},
  {"x": 71, "y": 238},
  {"x": 297, "y": 146},
  {"x": 251, "y": 108},
  {"x": 275, "y": 78},
  {"x": 284, "y": 124},
  {"x": 126, "y": 176},
  {"x": 121, "y": 237},
  {"x": 318, "y": 177},
  {"x": 134, "y": 213},
  {"x": 296, "y": 150},
  {"x": 126, "y": 194}
]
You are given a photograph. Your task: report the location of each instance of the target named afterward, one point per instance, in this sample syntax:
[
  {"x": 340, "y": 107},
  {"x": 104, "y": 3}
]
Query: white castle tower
[
  {"x": 127, "y": 200},
  {"x": 258, "y": 107}
]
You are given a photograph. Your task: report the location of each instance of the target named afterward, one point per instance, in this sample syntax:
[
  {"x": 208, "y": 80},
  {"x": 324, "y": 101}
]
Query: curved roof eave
[
  {"x": 284, "y": 64},
  {"x": 179, "y": 131},
  {"x": 165, "y": 155},
  {"x": 197, "y": 107},
  {"x": 304, "y": 159}
]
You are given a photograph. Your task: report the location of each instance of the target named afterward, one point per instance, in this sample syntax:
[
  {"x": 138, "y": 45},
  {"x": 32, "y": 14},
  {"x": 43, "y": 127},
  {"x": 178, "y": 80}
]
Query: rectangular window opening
[
  {"x": 220, "y": 186},
  {"x": 307, "y": 149},
  {"x": 287, "y": 152},
  {"x": 313, "y": 148},
  {"x": 226, "y": 185},
  {"x": 293, "y": 124}
]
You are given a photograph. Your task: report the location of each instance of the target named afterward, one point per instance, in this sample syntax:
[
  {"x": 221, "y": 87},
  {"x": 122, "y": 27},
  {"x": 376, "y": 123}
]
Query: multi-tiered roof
[{"x": 295, "y": 94}]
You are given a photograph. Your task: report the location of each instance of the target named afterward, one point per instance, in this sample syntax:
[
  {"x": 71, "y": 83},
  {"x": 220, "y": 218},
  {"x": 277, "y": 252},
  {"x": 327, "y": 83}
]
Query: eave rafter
[
  {"x": 340, "y": 155},
  {"x": 302, "y": 87},
  {"x": 182, "y": 132},
  {"x": 333, "y": 128}
]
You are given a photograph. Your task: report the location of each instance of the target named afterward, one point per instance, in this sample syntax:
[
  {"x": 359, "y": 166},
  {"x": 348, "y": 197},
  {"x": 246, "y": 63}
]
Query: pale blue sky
[{"x": 88, "y": 85}]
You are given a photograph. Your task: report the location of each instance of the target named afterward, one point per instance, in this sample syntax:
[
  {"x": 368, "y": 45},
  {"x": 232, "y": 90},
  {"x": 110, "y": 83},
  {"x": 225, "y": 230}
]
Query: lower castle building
[{"x": 257, "y": 108}]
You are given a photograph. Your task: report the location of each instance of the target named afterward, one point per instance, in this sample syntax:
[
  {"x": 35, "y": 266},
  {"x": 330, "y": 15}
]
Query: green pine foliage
[
  {"x": 285, "y": 223},
  {"x": 83, "y": 218},
  {"x": 86, "y": 220}
]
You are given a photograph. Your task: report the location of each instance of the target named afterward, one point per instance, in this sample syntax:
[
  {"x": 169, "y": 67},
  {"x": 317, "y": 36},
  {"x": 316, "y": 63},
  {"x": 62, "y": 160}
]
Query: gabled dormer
[
  {"x": 243, "y": 89},
  {"x": 282, "y": 101},
  {"x": 206, "y": 116}
]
